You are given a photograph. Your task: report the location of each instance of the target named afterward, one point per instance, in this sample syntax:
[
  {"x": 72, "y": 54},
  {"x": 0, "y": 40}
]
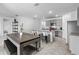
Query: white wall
[
  {"x": 29, "y": 24},
  {"x": 1, "y": 26},
  {"x": 64, "y": 27},
  {"x": 7, "y": 25}
]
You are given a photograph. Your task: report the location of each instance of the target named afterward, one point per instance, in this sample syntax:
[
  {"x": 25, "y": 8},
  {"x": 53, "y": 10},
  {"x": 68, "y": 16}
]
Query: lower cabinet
[{"x": 74, "y": 44}]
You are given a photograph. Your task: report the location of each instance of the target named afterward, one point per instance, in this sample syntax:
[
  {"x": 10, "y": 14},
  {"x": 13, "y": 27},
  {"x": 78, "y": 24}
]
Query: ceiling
[{"x": 40, "y": 10}]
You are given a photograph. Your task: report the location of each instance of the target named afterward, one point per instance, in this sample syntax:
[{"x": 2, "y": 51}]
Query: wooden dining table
[{"x": 23, "y": 40}]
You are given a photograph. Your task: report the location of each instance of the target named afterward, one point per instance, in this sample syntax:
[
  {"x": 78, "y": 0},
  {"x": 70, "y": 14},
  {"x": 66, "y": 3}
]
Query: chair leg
[
  {"x": 46, "y": 39},
  {"x": 39, "y": 44},
  {"x": 36, "y": 45}
]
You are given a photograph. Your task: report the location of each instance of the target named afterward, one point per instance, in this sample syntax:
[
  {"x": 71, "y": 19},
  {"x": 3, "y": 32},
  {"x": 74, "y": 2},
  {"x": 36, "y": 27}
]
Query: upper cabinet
[{"x": 72, "y": 16}]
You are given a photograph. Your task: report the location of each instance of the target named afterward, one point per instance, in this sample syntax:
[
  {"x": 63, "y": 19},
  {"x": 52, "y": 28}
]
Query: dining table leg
[
  {"x": 36, "y": 46},
  {"x": 18, "y": 50},
  {"x": 39, "y": 43}
]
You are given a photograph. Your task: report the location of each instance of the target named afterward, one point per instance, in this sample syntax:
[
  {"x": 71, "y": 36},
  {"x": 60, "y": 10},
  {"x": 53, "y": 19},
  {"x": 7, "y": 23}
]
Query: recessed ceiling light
[{"x": 50, "y": 11}]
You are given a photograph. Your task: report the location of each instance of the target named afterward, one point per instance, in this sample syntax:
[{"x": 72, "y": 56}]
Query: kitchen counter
[
  {"x": 74, "y": 43},
  {"x": 75, "y": 34}
]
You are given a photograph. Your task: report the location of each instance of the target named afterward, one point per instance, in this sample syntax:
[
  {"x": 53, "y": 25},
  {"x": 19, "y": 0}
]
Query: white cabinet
[
  {"x": 74, "y": 44},
  {"x": 72, "y": 16}
]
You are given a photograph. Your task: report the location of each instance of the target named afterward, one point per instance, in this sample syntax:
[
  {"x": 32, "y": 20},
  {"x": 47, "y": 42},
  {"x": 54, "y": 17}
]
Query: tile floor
[{"x": 58, "y": 47}]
